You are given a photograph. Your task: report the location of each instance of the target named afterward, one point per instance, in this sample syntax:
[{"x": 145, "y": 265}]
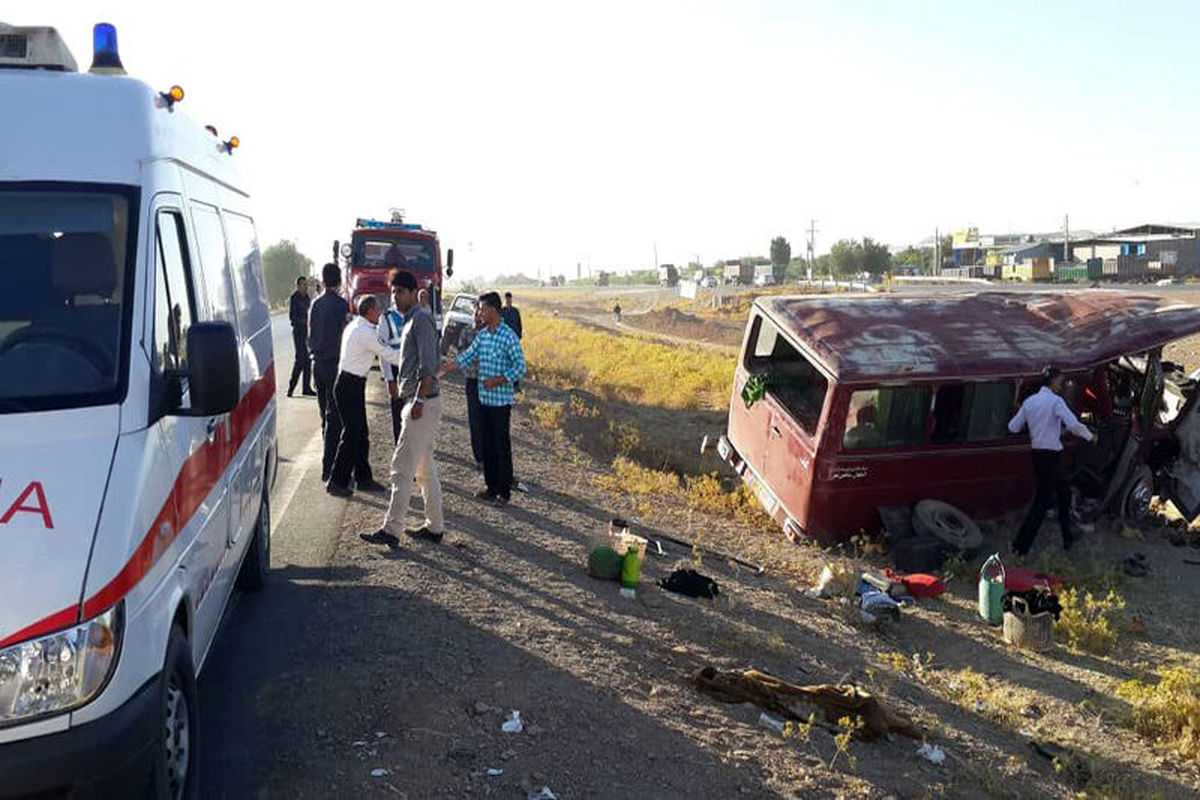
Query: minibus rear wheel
[
  {"x": 175, "y": 772},
  {"x": 257, "y": 563}
]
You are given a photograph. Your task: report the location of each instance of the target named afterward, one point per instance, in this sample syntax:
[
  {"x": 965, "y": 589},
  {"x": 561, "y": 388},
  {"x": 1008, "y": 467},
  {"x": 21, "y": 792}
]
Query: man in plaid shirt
[{"x": 497, "y": 351}]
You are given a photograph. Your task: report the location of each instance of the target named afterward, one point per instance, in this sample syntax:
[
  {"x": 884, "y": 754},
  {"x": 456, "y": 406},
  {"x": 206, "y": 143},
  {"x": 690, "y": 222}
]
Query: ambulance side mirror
[
  {"x": 213, "y": 371},
  {"x": 450, "y": 263}
]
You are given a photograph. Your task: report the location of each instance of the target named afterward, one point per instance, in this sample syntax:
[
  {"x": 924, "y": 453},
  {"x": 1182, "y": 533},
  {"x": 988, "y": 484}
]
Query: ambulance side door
[
  {"x": 194, "y": 445},
  {"x": 214, "y": 472}
]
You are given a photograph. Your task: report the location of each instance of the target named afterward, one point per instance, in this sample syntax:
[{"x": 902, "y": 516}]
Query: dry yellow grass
[
  {"x": 701, "y": 492},
  {"x": 1089, "y": 623},
  {"x": 1167, "y": 711},
  {"x": 632, "y": 369}
]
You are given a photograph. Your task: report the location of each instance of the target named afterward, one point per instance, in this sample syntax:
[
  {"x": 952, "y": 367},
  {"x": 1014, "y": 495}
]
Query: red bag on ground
[
  {"x": 1022, "y": 579},
  {"x": 918, "y": 584}
]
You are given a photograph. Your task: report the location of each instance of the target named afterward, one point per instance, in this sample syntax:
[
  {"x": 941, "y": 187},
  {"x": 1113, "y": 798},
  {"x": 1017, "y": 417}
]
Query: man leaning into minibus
[{"x": 1046, "y": 414}]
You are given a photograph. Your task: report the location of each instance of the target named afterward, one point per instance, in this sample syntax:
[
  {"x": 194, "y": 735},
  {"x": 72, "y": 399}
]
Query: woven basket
[{"x": 1028, "y": 631}]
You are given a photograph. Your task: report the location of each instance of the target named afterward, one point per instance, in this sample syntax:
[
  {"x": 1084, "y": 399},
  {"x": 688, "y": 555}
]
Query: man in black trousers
[
  {"x": 298, "y": 314},
  {"x": 360, "y": 347},
  {"x": 326, "y": 319}
]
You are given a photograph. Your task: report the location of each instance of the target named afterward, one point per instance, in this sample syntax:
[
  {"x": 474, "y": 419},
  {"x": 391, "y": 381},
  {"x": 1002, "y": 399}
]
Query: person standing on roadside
[
  {"x": 460, "y": 342},
  {"x": 1046, "y": 415},
  {"x": 360, "y": 346},
  {"x": 298, "y": 315},
  {"x": 511, "y": 315},
  {"x": 421, "y": 399},
  {"x": 326, "y": 319},
  {"x": 497, "y": 351},
  {"x": 391, "y": 324}
]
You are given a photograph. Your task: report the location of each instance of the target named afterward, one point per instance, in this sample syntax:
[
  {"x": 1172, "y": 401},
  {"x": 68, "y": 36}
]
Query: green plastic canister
[{"x": 991, "y": 590}]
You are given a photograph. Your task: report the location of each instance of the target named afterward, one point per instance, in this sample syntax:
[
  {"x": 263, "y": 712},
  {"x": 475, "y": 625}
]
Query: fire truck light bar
[{"x": 377, "y": 224}]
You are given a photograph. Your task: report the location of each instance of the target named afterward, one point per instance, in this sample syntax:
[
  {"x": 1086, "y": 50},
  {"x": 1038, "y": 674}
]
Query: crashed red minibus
[{"x": 845, "y": 404}]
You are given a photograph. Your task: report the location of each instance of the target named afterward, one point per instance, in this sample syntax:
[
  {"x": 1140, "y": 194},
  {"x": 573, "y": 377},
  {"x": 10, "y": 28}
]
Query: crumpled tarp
[{"x": 791, "y": 701}]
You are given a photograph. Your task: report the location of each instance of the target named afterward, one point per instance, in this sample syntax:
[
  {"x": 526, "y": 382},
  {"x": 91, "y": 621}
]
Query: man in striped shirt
[{"x": 497, "y": 352}]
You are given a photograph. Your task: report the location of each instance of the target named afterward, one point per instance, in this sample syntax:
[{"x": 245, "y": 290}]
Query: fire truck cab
[{"x": 377, "y": 247}]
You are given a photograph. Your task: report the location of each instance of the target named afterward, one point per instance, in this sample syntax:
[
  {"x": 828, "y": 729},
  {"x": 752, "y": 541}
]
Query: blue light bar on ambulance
[
  {"x": 106, "y": 58},
  {"x": 377, "y": 224}
]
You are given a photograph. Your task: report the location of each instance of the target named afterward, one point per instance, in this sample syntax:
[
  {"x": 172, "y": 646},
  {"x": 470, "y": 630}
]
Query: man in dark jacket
[
  {"x": 298, "y": 314},
  {"x": 325, "y": 322}
]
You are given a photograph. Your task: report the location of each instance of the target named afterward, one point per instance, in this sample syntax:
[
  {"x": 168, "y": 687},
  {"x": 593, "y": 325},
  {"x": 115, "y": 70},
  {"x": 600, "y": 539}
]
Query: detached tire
[
  {"x": 947, "y": 523},
  {"x": 257, "y": 563},
  {"x": 176, "y": 773}
]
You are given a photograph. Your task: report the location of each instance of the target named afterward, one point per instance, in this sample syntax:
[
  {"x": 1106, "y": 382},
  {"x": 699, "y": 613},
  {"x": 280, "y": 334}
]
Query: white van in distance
[{"x": 137, "y": 420}]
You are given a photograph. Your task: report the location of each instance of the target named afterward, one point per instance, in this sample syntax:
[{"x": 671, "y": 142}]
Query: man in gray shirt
[{"x": 420, "y": 420}]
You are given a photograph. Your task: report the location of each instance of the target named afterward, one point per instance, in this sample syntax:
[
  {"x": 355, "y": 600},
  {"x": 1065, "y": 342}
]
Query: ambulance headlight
[{"x": 61, "y": 671}]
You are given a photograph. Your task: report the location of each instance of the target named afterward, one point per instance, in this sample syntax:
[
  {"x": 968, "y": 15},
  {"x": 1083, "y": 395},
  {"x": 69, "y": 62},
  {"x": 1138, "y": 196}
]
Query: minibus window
[
  {"x": 972, "y": 412},
  {"x": 891, "y": 416},
  {"x": 65, "y": 258},
  {"x": 790, "y": 377}
]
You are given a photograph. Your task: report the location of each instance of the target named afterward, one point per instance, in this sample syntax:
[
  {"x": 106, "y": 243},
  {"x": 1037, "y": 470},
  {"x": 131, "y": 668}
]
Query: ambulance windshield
[
  {"x": 411, "y": 254},
  {"x": 63, "y": 275}
]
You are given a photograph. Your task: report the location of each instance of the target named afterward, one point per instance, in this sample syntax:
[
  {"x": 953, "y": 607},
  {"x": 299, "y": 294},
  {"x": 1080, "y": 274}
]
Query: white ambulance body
[{"x": 137, "y": 422}]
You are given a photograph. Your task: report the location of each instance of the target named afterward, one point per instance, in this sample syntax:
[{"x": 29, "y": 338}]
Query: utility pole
[
  {"x": 936, "y": 267},
  {"x": 1066, "y": 238},
  {"x": 656, "y": 256},
  {"x": 812, "y": 232}
]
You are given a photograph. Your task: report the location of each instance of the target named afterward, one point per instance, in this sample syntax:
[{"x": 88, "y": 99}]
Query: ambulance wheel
[
  {"x": 175, "y": 766},
  {"x": 257, "y": 563}
]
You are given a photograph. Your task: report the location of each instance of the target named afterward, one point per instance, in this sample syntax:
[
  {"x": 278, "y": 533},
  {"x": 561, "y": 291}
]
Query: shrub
[
  {"x": 1088, "y": 623},
  {"x": 548, "y": 415},
  {"x": 1167, "y": 711}
]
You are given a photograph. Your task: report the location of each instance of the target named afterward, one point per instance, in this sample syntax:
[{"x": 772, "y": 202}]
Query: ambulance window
[
  {"x": 246, "y": 262},
  {"x": 174, "y": 306},
  {"x": 210, "y": 241}
]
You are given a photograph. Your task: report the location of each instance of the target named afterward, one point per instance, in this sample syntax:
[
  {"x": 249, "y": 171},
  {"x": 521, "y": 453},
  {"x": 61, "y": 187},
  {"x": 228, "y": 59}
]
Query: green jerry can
[{"x": 991, "y": 590}]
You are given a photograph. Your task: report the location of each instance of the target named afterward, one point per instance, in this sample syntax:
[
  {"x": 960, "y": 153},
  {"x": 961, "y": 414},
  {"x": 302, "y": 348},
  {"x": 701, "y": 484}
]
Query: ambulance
[{"x": 137, "y": 420}]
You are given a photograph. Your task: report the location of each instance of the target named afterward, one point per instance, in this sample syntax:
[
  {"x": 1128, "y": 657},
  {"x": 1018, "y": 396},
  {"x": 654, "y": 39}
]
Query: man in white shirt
[
  {"x": 1046, "y": 414},
  {"x": 389, "y": 328},
  {"x": 360, "y": 347}
]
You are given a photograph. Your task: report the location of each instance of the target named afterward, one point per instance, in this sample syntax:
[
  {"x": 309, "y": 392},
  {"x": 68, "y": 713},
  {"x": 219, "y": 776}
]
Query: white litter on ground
[
  {"x": 932, "y": 754},
  {"x": 513, "y": 723},
  {"x": 379, "y": 773}
]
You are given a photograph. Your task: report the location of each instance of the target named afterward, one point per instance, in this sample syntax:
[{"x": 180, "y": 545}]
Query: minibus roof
[
  {"x": 976, "y": 335},
  {"x": 98, "y": 129}
]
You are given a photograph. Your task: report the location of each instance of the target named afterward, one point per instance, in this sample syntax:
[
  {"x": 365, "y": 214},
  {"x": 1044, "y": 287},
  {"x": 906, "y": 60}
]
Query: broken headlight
[{"x": 60, "y": 671}]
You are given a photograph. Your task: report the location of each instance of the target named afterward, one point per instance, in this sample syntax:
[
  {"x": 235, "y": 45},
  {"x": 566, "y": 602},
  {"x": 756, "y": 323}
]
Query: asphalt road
[{"x": 261, "y": 632}]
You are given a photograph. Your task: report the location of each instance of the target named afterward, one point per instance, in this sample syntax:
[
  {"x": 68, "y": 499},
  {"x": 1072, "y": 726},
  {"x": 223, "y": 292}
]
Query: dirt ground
[{"x": 415, "y": 657}]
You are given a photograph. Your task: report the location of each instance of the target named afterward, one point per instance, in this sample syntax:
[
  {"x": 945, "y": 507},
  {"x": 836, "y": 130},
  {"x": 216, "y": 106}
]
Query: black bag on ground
[{"x": 691, "y": 583}]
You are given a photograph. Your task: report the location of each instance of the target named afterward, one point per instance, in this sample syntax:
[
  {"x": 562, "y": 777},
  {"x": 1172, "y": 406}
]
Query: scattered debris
[
  {"x": 932, "y": 754},
  {"x": 771, "y": 721},
  {"x": 492, "y": 772},
  {"x": 1032, "y": 711},
  {"x": 708, "y": 551},
  {"x": 513, "y": 723},
  {"x": 788, "y": 700},
  {"x": 917, "y": 584},
  {"x": 823, "y": 589},
  {"x": 380, "y": 772},
  {"x": 543, "y": 794},
  {"x": 1032, "y": 601},
  {"x": 1022, "y": 579},
  {"x": 380, "y": 734},
  {"x": 1135, "y": 566},
  {"x": 690, "y": 583},
  {"x": 876, "y": 604}
]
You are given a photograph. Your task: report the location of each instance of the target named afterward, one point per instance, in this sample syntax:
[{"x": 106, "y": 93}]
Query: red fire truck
[{"x": 376, "y": 247}]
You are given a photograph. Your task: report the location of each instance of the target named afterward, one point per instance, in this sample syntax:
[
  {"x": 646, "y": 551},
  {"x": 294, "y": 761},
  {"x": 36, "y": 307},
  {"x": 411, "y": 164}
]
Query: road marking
[{"x": 291, "y": 475}]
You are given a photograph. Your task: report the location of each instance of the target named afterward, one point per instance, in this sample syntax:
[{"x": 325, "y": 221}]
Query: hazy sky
[{"x": 544, "y": 134}]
